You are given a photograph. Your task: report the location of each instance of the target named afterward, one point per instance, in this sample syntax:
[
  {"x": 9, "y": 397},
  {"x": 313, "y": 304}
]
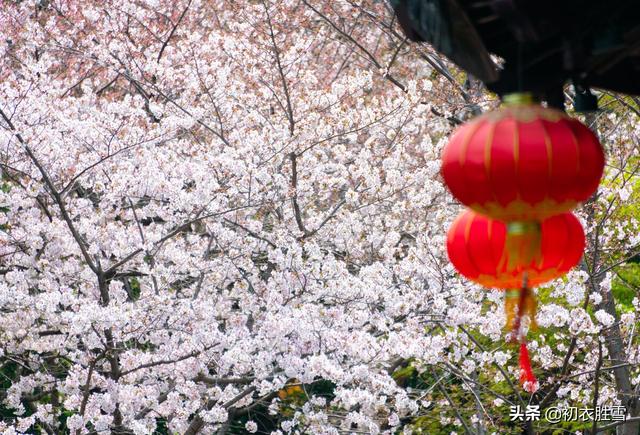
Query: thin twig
[
  {"x": 357, "y": 44},
  {"x": 166, "y": 361},
  {"x": 173, "y": 30},
  {"x": 505, "y": 375},
  {"x": 454, "y": 407},
  {"x": 276, "y": 52},
  {"x": 294, "y": 198},
  {"x": 197, "y": 423}
]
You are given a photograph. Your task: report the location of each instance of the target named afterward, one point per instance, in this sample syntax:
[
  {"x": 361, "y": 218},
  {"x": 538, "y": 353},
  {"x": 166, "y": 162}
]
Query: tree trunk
[{"x": 612, "y": 335}]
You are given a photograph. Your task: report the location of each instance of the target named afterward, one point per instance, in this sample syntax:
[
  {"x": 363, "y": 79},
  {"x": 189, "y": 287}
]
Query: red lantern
[
  {"x": 523, "y": 162},
  {"x": 480, "y": 250},
  {"x": 515, "y": 255}
]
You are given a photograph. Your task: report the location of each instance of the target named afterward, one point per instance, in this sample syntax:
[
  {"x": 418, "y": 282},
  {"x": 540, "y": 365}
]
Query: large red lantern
[
  {"x": 480, "y": 250},
  {"x": 522, "y": 162}
]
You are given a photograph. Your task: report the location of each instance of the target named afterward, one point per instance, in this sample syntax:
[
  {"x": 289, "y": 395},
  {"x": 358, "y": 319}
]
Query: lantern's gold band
[
  {"x": 512, "y": 294},
  {"x": 522, "y": 227}
]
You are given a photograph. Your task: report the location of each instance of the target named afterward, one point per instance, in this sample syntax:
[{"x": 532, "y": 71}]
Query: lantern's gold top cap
[{"x": 518, "y": 98}]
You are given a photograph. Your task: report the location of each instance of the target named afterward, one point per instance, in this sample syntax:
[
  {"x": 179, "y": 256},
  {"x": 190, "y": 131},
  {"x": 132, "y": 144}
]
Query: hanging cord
[
  {"x": 520, "y": 67},
  {"x": 522, "y": 305},
  {"x": 511, "y": 299},
  {"x": 526, "y": 306}
]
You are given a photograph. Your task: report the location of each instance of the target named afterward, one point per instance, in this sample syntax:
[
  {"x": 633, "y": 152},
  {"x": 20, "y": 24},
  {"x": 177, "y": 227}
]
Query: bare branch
[
  {"x": 326, "y": 219},
  {"x": 222, "y": 381},
  {"x": 505, "y": 375},
  {"x": 453, "y": 407},
  {"x": 173, "y": 30},
  {"x": 596, "y": 388},
  {"x": 56, "y": 196},
  {"x": 350, "y": 38},
  {"x": 251, "y": 233},
  {"x": 166, "y": 361},
  {"x": 276, "y": 52},
  {"x": 618, "y": 423},
  {"x": 294, "y": 199},
  {"x": 177, "y": 230},
  {"x": 197, "y": 423},
  {"x": 87, "y": 385}
]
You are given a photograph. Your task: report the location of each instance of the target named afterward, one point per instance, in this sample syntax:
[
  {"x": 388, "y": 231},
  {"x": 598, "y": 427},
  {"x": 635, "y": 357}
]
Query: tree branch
[
  {"x": 294, "y": 199},
  {"x": 596, "y": 388},
  {"x": 454, "y": 407},
  {"x": 197, "y": 423},
  {"x": 173, "y": 30},
  {"x": 166, "y": 361},
  {"x": 55, "y": 194},
  {"x": 505, "y": 375},
  {"x": 357, "y": 44},
  {"x": 618, "y": 423},
  {"x": 276, "y": 52}
]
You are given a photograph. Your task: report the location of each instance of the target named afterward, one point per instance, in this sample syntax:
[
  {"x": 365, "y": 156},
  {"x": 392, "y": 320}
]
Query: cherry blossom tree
[{"x": 227, "y": 217}]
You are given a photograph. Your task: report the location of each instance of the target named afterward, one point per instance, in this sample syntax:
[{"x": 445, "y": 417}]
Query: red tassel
[{"x": 527, "y": 378}]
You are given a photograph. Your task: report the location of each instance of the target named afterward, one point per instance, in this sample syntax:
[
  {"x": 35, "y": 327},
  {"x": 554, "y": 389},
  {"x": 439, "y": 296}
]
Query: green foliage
[
  {"x": 8, "y": 374},
  {"x": 134, "y": 283},
  {"x": 625, "y": 286},
  {"x": 62, "y": 420},
  {"x": 161, "y": 427}
]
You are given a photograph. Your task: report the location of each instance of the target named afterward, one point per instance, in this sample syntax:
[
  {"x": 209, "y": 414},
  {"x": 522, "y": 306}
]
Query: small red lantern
[
  {"x": 479, "y": 249},
  {"x": 515, "y": 256},
  {"x": 522, "y": 162}
]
